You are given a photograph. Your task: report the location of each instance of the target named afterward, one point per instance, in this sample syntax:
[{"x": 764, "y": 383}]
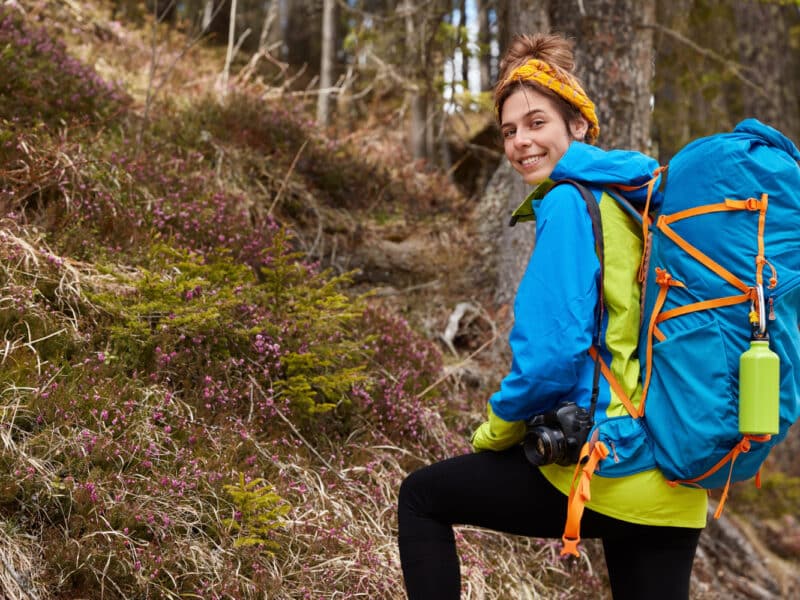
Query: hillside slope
[
  {"x": 226, "y": 334},
  {"x": 193, "y": 406}
]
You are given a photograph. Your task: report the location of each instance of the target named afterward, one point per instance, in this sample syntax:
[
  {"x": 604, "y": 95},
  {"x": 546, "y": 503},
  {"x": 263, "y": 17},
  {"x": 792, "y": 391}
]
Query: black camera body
[{"x": 557, "y": 436}]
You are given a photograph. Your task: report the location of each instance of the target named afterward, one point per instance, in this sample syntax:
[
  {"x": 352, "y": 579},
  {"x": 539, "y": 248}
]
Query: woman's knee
[{"x": 412, "y": 491}]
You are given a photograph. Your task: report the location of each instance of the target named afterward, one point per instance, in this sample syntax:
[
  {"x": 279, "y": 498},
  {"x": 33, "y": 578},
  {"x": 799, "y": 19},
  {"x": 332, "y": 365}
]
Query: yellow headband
[{"x": 563, "y": 84}]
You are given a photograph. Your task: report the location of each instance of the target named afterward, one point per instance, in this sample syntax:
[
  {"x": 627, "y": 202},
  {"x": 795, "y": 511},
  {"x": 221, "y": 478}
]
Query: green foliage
[
  {"x": 181, "y": 295},
  {"x": 258, "y": 512},
  {"x": 201, "y": 321}
]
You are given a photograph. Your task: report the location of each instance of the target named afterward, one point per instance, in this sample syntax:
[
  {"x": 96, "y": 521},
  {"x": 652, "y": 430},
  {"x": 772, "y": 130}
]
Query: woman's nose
[{"x": 522, "y": 139}]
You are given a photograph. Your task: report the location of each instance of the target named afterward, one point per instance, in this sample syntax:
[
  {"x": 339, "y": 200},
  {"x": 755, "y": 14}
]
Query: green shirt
[{"x": 644, "y": 498}]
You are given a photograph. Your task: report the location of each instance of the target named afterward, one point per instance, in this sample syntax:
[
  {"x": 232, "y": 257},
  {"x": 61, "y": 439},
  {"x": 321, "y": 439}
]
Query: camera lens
[{"x": 544, "y": 445}]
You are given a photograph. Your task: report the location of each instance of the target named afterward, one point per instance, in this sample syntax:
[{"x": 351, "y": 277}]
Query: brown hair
[{"x": 550, "y": 48}]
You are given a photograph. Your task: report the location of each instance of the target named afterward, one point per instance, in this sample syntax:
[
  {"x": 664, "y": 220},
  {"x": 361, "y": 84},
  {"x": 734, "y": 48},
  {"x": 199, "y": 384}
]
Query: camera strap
[{"x": 597, "y": 229}]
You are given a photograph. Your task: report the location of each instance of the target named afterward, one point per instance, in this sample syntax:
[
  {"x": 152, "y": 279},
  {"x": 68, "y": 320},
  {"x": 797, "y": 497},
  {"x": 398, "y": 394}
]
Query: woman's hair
[{"x": 550, "y": 48}]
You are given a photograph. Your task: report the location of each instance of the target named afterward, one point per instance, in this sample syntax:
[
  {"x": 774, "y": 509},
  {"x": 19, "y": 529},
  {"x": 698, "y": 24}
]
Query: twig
[
  {"x": 411, "y": 288},
  {"x": 286, "y": 178},
  {"x": 463, "y": 362},
  {"x": 230, "y": 52}
]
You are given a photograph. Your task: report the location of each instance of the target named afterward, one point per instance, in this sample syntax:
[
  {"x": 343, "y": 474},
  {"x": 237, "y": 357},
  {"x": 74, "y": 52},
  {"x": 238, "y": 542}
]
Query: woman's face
[{"x": 535, "y": 135}]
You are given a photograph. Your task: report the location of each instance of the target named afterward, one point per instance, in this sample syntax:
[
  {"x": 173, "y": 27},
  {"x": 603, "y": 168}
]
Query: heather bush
[
  {"x": 109, "y": 446},
  {"x": 235, "y": 340},
  {"x": 41, "y": 84}
]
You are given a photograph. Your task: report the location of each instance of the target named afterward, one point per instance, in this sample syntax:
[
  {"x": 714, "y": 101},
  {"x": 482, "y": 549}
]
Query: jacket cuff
[{"x": 496, "y": 433}]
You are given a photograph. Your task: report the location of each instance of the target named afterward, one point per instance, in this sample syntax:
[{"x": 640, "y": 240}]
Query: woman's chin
[{"x": 534, "y": 178}]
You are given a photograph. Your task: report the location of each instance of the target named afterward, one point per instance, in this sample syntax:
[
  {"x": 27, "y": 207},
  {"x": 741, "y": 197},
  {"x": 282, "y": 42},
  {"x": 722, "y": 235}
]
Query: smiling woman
[
  {"x": 541, "y": 107},
  {"x": 535, "y": 136},
  {"x": 553, "y": 396}
]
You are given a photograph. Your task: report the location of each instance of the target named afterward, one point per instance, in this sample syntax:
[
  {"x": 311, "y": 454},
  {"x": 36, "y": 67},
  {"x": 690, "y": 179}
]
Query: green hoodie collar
[{"x": 525, "y": 211}]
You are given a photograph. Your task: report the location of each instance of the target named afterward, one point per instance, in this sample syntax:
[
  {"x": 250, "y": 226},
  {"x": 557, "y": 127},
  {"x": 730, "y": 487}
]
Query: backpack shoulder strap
[
  {"x": 597, "y": 229},
  {"x": 594, "y": 214}
]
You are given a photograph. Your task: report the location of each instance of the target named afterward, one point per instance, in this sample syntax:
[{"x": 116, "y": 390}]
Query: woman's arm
[{"x": 554, "y": 310}]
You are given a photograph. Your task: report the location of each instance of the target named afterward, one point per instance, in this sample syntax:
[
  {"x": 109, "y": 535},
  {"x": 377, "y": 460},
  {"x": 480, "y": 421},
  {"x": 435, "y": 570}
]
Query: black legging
[{"x": 503, "y": 492}]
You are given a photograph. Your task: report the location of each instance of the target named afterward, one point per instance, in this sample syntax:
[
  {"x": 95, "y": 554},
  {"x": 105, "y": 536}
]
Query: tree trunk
[
  {"x": 504, "y": 250},
  {"x": 216, "y": 19},
  {"x": 721, "y": 61},
  {"x": 764, "y": 32},
  {"x": 463, "y": 42},
  {"x": 518, "y": 16},
  {"x": 615, "y": 56},
  {"x": 672, "y": 107},
  {"x": 484, "y": 44},
  {"x": 303, "y": 35},
  {"x": 326, "y": 62},
  {"x": 165, "y": 11},
  {"x": 418, "y": 112}
]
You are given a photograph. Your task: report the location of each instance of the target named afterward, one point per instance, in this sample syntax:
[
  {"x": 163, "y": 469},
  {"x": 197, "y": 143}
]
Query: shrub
[
  {"x": 258, "y": 512},
  {"x": 41, "y": 83},
  {"x": 232, "y": 339},
  {"x": 191, "y": 406}
]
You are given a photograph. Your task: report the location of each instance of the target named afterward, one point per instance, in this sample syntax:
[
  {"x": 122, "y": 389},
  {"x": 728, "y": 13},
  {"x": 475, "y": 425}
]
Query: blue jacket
[{"x": 554, "y": 308}]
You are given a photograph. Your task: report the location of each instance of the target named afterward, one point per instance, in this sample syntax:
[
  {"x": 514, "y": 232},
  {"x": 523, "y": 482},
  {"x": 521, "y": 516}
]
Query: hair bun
[{"x": 552, "y": 49}]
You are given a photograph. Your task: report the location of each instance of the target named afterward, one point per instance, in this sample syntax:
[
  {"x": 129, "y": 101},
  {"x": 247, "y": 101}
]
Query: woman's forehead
[{"x": 525, "y": 101}]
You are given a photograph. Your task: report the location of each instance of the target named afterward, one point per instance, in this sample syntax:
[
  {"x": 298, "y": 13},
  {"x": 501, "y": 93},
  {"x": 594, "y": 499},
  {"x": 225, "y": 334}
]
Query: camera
[{"x": 557, "y": 436}]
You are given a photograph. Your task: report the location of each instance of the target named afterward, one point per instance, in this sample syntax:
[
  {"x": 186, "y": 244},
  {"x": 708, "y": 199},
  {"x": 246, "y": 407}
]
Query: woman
[{"x": 649, "y": 529}]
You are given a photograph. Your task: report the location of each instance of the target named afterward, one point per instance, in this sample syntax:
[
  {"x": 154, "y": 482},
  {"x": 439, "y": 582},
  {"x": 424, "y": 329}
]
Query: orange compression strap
[
  {"x": 751, "y": 204},
  {"x": 705, "y": 305},
  {"x": 591, "y": 455},
  {"x": 614, "y": 383},
  {"x": 761, "y": 259},
  {"x": 664, "y": 281},
  {"x": 710, "y": 264},
  {"x": 742, "y": 447}
]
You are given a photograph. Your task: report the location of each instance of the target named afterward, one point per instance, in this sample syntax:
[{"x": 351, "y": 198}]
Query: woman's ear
[{"x": 579, "y": 127}]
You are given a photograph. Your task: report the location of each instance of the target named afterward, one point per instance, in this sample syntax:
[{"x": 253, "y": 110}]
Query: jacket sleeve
[
  {"x": 497, "y": 434},
  {"x": 554, "y": 310}
]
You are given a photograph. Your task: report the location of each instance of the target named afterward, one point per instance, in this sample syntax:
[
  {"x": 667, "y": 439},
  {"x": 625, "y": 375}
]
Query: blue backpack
[
  {"x": 723, "y": 247},
  {"x": 726, "y": 242}
]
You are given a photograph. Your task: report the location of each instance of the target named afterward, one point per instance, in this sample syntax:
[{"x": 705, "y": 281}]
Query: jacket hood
[{"x": 595, "y": 167}]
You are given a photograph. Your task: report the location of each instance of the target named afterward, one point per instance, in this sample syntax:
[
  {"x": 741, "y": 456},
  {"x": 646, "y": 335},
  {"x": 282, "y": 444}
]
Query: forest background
[{"x": 254, "y": 268}]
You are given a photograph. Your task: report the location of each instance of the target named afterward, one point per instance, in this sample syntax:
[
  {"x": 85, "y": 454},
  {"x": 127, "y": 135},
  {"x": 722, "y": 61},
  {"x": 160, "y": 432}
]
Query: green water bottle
[{"x": 759, "y": 389}]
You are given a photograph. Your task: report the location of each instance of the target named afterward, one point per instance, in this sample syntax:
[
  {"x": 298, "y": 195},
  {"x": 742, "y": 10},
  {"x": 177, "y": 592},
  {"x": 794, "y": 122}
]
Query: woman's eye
[
  {"x": 537, "y": 123},
  {"x": 509, "y": 133}
]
